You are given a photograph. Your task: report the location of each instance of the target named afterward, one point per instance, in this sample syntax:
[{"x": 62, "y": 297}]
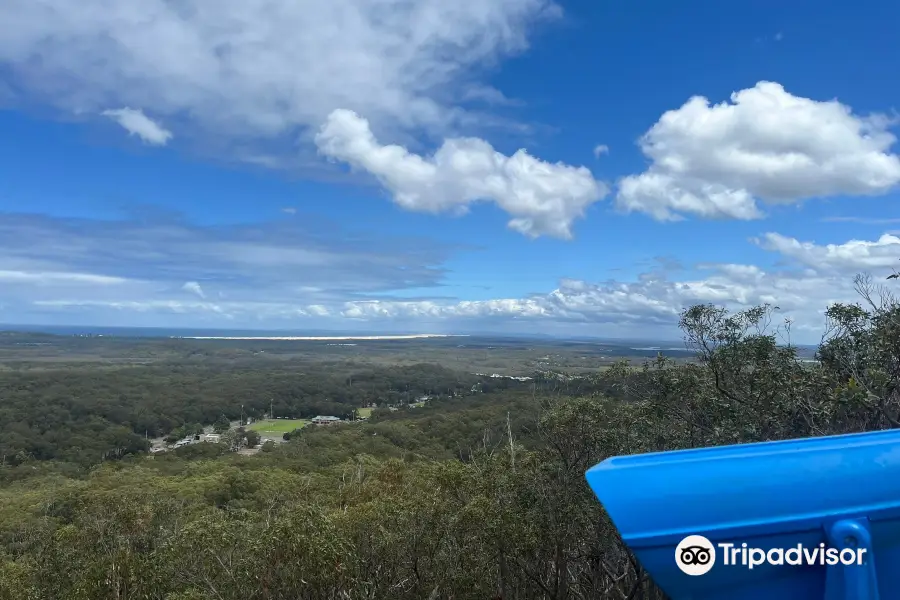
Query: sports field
[
  {"x": 277, "y": 425},
  {"x": 364, "y": 413}
]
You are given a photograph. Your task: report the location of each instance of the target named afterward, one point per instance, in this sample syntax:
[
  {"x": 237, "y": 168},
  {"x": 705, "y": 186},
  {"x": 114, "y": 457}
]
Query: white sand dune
[{"x": 415, "y": 336}]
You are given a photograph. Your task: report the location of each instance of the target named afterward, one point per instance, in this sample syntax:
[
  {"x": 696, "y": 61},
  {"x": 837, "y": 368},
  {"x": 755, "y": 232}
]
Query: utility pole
[
  {"x": 271, "y": 409},
  {"x": 242, "y": 415}
]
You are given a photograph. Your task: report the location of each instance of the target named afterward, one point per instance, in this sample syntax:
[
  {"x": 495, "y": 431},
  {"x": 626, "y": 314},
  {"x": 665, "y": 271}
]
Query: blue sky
[{"x": 484, "y": 165}]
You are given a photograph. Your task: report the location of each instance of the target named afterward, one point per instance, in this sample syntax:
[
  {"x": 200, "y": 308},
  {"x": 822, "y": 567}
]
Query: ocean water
[
  {"x": 617, "y": 347},
  {"x": 164, "y": 332}
]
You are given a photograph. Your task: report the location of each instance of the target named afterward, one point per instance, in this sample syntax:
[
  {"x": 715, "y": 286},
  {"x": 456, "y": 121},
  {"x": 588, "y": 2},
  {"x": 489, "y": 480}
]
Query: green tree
[
  {"x": 252, "y": 438},
  {"x": 232, "y": 440},
  {"x": 222, "y": 424}
]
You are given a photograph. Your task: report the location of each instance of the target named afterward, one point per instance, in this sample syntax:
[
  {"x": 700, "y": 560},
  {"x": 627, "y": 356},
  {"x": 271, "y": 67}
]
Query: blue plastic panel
[{"x": 769, "y": 495}]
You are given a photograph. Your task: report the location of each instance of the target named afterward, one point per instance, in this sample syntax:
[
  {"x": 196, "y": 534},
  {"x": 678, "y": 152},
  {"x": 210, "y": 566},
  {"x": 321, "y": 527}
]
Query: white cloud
[
  {"x": 488, "y": 95},
  {"x": 317, "y": 310},
  {"x": 850, "y": 257},
  {"x": 251, "y": 79},
  {"x": 135, "y": 122},
  {"x": 600, "y": 150},
  {"x": 140, "y": 306},
  {"x": 194, "y": 288},
  {"x": 263, "y": 68},
  {"x": 45, "y": 277},
  {"x": 285, "y": 262},
  {"x": 504, "y": 308},
  {"x": 717, "y": 161},
  {"x": 542, "y": 198},
  {"x": 287, "y": 276},
  {"x": 645, "y": 308},
  {"x": 23, "y": 282}
]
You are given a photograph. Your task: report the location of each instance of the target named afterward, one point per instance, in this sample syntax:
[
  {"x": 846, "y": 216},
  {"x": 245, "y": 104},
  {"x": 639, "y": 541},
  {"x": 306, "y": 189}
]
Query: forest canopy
[{"x": 471, "y": 496}]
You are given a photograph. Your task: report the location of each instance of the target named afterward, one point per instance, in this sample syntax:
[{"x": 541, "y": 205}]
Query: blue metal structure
[{"x": 814, "y": 497}]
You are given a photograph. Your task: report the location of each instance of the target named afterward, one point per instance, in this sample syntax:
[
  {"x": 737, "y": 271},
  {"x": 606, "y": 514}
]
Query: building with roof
[{"x": 327, "y": 420}]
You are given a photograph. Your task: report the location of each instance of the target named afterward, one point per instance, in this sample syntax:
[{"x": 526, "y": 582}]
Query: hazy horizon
[{"x": 262, "y": 334}]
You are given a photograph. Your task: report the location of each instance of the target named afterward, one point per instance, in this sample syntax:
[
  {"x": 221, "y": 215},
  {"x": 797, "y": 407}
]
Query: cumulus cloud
[
  {"x": 135, "y": 122},
  {"x": 542, "y": 198},
  {"x": 264, "y": 68},
  {"x": 648, "y": 307},
  {"x": 764, "y": 145},
  {"x": 850, "y": 257},
  {"x": 601, "y": 150}
]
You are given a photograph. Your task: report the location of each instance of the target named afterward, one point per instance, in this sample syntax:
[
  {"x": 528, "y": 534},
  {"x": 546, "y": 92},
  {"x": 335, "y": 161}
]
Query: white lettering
[
  {"x": 757, "y": 557},
  {"x": 728, "y": 548},
  {"x": 797, "y": 552},
  {"x": 775, "y": 556},
  {"x": 795, "y": 556},
  {"x": 799, "y": 555}
]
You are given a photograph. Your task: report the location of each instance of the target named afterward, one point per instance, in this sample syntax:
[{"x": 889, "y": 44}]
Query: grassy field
[
  {"x": 277, "y": 425},
  {"x": 364, "y": 413}
]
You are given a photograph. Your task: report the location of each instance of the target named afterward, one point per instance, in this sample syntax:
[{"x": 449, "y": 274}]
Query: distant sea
[
  {"x": 165, "y": 332},
  {"x": 641, "y": 346}
]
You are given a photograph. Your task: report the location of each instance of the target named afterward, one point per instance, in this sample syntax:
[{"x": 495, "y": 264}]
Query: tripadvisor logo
[{"x": 696, "y": 555}]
